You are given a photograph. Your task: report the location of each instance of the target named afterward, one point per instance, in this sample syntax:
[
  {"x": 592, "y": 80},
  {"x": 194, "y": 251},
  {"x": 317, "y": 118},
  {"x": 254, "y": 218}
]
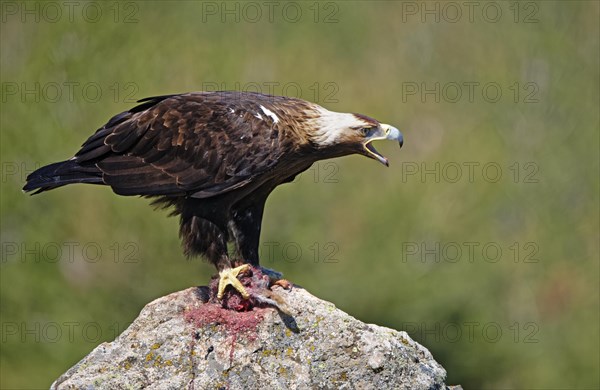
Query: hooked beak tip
[{"x": 393, "y": 134}]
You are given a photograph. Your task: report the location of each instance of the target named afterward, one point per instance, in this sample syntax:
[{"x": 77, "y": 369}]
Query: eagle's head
[{"x": 344, "y": 133}]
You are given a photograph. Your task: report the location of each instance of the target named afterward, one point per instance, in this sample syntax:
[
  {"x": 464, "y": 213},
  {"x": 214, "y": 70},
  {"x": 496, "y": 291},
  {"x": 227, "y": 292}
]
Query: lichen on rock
[{"x": 184, "y": 341}]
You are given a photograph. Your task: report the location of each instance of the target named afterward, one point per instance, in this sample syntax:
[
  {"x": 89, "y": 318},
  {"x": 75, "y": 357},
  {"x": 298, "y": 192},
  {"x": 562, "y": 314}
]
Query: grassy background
[{"x": 379, "y": 243}]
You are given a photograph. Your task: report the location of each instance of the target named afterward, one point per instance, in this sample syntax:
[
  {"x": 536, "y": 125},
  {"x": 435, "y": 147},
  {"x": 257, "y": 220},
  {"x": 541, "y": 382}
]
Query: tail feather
[{"x": 60, "y": 174}]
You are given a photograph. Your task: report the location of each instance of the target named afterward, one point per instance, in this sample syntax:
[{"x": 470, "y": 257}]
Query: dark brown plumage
[{"x": 214, "y": 158}]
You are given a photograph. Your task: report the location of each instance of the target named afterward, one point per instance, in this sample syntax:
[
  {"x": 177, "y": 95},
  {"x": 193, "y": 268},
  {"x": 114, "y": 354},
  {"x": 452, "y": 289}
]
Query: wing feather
[{"x": 200, "y": 143}]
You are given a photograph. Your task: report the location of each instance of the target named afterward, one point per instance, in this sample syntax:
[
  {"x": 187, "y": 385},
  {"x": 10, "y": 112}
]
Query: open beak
[{"x": 385, "y": 132}]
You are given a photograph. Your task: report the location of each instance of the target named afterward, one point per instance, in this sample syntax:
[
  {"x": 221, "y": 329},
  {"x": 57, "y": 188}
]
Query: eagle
[{"x": 213, "y": 158}]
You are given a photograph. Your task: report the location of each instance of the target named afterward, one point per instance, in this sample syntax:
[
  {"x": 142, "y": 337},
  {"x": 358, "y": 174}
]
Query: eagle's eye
[{"x": 365, "y": 131}]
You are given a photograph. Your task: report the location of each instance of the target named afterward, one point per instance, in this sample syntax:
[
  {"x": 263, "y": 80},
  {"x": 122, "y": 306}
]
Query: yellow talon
[{"x": 229, "y": 277}]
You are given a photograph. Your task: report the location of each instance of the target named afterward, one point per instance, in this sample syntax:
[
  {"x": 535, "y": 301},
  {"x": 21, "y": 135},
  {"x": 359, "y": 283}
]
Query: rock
[{"x": 182, "y": 341}]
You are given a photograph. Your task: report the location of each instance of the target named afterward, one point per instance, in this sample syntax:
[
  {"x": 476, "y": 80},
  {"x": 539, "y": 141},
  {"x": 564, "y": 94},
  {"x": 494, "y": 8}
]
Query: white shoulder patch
[{"x": 270, "y": 114}]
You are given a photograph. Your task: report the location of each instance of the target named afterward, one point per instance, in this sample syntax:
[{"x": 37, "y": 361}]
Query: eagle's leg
[
  {"x": 228, "y": 277},
  {"x": 244, "y": 228},
  {"x": 209, "y": 238}
]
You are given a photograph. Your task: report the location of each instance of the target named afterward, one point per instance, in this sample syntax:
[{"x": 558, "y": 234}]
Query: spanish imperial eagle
[{"x": 214, "y": 157}]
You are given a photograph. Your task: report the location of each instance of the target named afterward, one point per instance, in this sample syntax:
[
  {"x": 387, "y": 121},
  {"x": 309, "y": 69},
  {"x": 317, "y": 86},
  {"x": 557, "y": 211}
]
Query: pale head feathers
[{"x": 332, "y": 128}]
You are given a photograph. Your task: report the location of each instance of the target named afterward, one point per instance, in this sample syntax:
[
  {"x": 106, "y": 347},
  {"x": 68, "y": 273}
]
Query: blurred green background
[{"x": 480, "y": 240}]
